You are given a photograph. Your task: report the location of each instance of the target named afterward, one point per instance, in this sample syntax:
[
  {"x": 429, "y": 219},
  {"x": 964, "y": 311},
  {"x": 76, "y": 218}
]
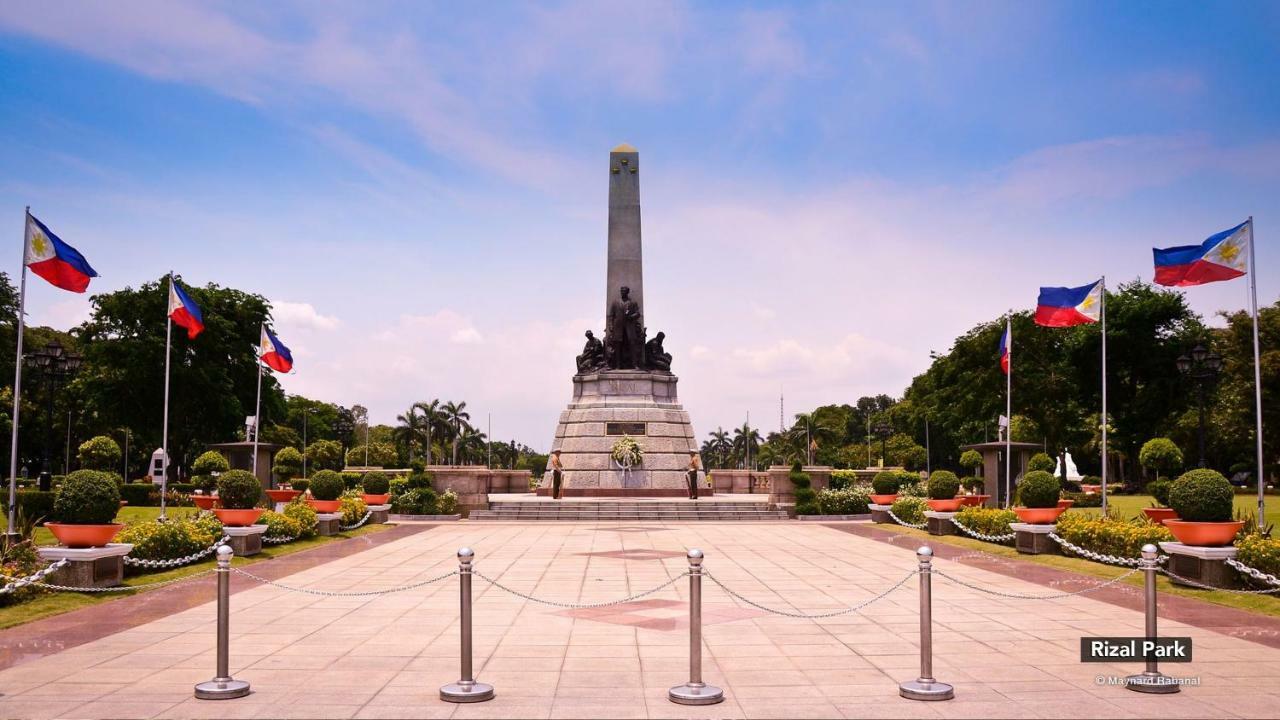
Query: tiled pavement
[{"x": 310, "y": 656}]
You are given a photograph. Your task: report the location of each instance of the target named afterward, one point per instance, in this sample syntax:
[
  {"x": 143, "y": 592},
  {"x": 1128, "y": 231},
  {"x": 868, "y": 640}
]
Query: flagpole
[
  {"x": 12, "y": 530},
  {"x": 1104, "y": 395},
  {"x": 1008, "y": 413},
  {"x": 164, "y": 438},
  {"x": 257, "y": 409},
  {"x": 1257, "y": 376}
]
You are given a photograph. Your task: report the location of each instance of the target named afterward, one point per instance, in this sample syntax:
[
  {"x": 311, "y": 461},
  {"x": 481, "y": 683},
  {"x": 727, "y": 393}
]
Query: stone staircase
[{"x": 655, "y": 510}]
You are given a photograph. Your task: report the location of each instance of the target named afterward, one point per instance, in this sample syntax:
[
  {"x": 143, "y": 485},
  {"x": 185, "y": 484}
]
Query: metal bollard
[
  {"x": 926, "y": 687},
  {"x": 223, "y": 686},
  {"x": 466, "y": 690},
  {"x": 1151, "y": 680},
  {"x": 695, "y": 692}
]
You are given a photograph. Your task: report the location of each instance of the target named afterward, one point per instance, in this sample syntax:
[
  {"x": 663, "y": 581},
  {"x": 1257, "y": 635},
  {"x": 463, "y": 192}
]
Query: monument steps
[{"x": 629, "y": 510}]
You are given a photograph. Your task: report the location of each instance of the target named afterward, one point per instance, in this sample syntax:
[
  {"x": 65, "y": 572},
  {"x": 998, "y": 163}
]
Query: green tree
[
  {"x": 971, "y": 460},
  {"x": 379, "y": 455},
  {"x": 456, "y": 419},
  {"x": 324, "y": 455},
  {"x": 288, "y": 464},
  {"x": 99, "y": 453},
  {"x": 1160, "y": 455}
]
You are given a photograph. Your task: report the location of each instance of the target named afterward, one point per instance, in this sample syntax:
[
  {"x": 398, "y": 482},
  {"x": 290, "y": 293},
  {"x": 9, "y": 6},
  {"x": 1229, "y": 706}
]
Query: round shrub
[
  {"x": 327, "y": 485},
  {"x": 288, "y": 464},
  {"x": 1159, "y": 490},
  {"x": 974, "y": 484},
  {"x": 1161, "y": 455},
  {"x": 1040, "y": 461},
  {"x": 376, "y": 483},
  {"x": 1039, "y": 489},
  {"x": 885, "y": 482},
  {"x": 99, "y": 453},
  {"x": 909, "y": 483},
  {"x": 943, "y": 485},
  {"x": 238, "y": 490},
  {"x": 447, "y": 502},
  {"x": 87, "y": 497},
  {"x": 910, "y": 509},
  {"x": 300, "y": 484},
  {"x": 806, "y": 497},
  {"x": 971, "y": 459},
  {"x": 1202, "y": 496},
  {"x": 210, "y": 462}
]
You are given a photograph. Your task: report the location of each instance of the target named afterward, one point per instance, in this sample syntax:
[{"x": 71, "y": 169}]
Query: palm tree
[
  {"x": 472, "y": 444},
  {"x": 720, "y": 446},
  {"x": 746, "y": 444},
  {"x": 410, "y": 430},
  {"x": 431, "y": 422},
  {"x": 810, "y": 432},
  {"x": 458, "y": 420}
]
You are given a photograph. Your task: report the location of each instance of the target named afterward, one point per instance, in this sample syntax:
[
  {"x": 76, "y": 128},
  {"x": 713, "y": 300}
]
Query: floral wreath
[{"x": 627, "y": 452}]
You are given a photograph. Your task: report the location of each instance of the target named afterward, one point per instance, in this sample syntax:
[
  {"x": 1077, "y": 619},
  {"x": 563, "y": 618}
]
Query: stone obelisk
[
  {"x": 626, "y": 265},
  {"x": 611, "y": 401}
]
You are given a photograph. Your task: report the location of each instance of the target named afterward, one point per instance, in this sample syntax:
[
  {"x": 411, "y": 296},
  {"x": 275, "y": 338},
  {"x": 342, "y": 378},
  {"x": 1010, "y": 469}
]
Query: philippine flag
[
  {"x": 1221, "y": 257},
  {"x": 1064, "y": 306},
  {"x": 183, "y": 310},
  {"x": 1006, "y": 349},
  {"x": 274, "y": 353},
  {"x": 54, "y": 260}
]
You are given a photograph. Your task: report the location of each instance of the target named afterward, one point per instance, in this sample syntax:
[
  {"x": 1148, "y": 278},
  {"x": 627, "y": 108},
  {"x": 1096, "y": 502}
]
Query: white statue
[{"x": 1072, "y": 473}]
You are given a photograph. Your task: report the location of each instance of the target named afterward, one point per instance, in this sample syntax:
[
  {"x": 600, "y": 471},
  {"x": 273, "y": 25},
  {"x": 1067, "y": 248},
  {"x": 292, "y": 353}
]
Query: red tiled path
[
  {"x": 1255, "y": 627},
  {"x": 51, "y": 635}
]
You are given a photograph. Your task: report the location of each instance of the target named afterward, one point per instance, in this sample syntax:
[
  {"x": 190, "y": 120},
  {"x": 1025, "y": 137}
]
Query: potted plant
[
  {"x": 1038, "y": 492},
  {"x": 238, "y": 495},
  {"x": 1160, "y": 510},
  {"x": 326, "y": 488},
  {"x": 84, "y": 510},
  {"x": 973, "y": 495},
  {"x": 288, "y": 463},
  {"x": 1090, "y": 485},
  {"x": 942, "y": 488},
  {"x": 884, "y": 487},
  {"x": 377, "y": 488},
  {"x": 1204, "y": 502}
]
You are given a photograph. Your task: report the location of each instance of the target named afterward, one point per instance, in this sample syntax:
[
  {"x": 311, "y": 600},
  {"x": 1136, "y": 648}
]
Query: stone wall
[
  {"x": 474, "y": 483},
  {"x": 781, "y": 490},
  {"x": 739, "y": 481}
]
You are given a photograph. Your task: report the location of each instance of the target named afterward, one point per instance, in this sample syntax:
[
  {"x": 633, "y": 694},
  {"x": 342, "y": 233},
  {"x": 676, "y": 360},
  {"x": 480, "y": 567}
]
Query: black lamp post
[
  {"x": 1202, "y": 367},
  {"x": 50, "y": 366},
  {"x": 883, "y": 430}
]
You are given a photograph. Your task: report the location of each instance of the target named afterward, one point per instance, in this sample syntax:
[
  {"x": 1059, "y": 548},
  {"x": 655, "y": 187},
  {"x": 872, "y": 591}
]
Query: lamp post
[
  {"x": 883, "y": 430},
  {"x": 1203, "y": 367},
  {"x": 305, "y": 413},
  {"x": 49, "y": 366}
]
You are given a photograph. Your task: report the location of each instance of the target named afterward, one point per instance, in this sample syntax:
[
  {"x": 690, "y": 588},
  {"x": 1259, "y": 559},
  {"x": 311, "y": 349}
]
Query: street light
[
  {"x": 1203, "y": 367},
  {"x": 49, "y": 366},
  {"x": 883, "y": 430}
]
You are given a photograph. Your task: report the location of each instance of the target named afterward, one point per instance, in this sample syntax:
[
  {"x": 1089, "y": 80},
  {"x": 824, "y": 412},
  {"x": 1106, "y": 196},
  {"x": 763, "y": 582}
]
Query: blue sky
[{"x": 830, "y": 190}]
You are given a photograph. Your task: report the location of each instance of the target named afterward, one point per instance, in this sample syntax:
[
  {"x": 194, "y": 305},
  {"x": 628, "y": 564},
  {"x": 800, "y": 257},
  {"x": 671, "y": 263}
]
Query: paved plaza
[{"x": 386, "y": 656}]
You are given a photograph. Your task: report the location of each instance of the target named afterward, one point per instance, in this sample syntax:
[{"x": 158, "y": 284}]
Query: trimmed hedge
[
  {"x": 238, "y": 490},
  {"x": 210, "y": 462},
  {"x": 140, "y": 494},
  {"x": 885, "y": 482},
  {"x": 327, "y": 485},
  {"x": 1039, "y": 489},
  {"x": 943, "y": 485},
  {"x": 87, "y": 497},
  {"x": 843, "y": 502},
  {"x": 1159, "y": 490},
  {"x": 1202, "y": 496},
  {"x": 34, "y": 504},
  {"x": 806, "y": 498},
  {"x": 1040, "y": 462},
  {"x": 376, "y": 483}
]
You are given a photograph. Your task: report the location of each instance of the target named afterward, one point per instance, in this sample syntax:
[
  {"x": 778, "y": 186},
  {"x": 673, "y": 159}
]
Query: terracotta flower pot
[
  {"x": 84, "y": 536},
  {"x": 1158, "y": 515},
  {"x": 1038, "y": 516},
  {"x": 325, "y": 506},
  {"x": 238, "y": 518},
  {"x": 205, "y": 502},
  {"x": 974, "y": 500},
  {"x": 1064, "y": 504},
  {"x": 1204, "y": 534},
  {"x": 283, "y": 496},
  {"x": 951, "y": 505},
  {"x": 375, "y": 499},
  {"x": 1091, "y": 489},
  {"x": 884, "y": 499}
]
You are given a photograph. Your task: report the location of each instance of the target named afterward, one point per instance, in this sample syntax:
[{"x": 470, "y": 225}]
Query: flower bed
[
  {"x": 174, "y": 538},
  {"x": 909, "y": 510},
  {"x": 1260, "y": 553},
  {"x": 1109, "y": 536},
  {"x": 987, "y": 521},
  {"x": 843, "y": 502}
]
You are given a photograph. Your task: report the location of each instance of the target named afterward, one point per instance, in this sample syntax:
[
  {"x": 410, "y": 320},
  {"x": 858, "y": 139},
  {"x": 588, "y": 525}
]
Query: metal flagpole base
[
  {"x": 695, "y": 694},
  {"x": 466, "y": 692},
  {"x": 224, "y": 689},
  {"x": 922, "y": 689},
  {"x": 1153, "y": 683}
]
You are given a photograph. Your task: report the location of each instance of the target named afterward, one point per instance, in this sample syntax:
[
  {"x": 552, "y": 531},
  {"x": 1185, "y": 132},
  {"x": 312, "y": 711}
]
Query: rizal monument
[{"x": 624, "y": 393}]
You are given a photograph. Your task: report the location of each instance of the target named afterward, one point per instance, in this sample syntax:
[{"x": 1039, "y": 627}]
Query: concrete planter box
[
  {"x": 98, "y": 567},
  {"x": 939, "y": 523},
  {"x": 880, "y": 514},
  {"x": 245, "y": 540},
  {"x": 1206, "y": 565},
  {"x": 328, "y": 523},
  {"x": 1034, "y": 539}
]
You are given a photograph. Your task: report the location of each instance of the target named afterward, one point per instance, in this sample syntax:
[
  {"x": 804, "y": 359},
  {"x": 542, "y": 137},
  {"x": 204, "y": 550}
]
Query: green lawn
[{"x": 1131, "y": 505}]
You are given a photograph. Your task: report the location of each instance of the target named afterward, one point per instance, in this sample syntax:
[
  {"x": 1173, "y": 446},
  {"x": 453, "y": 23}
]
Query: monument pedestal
[
  {"x": 606, "y": 406},
  {"x": 328, "y": 523},
  {"x": 246, "y": 540},
  {"x": 99, "y": 567},
  {"x": 1206, "y": 565},
  {"x": 1033, "y": 539},
  {"x": 880, "y": 514},
  {"x": 939, "y": 523}
]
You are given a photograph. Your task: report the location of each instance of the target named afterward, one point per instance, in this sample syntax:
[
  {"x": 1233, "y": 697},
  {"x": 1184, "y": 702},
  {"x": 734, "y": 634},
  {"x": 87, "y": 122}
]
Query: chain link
[
  {"x": 177, "y": 562},
  {"x": 368, "y": 514},
  {"x": 344, "y": 593},
  {"x": 983, "y": 536},
  {"x": 576, "y": 606},
  {"x": 1252, "y": 572},
  {"x": 904, "y": 523},
  {"x": 1202, "y": 586},
  {"x": 278, "y": 540},
  {"x": 122, "y": 588},
  {"x": 1102, "y": 557},
  {"x": 811, "y": 616},
  {"x": 16, "y": 584},
  {"x": 1022, "y": 596}
]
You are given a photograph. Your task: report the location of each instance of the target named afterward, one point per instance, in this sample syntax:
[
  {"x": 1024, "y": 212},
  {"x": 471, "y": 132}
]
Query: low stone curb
[
  {"x": 834, "y": 518},
  {"x": 425, "y": 518}
]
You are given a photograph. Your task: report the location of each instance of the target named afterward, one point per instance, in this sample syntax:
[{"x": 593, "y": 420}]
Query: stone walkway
[{"x": 322, "y": 657}]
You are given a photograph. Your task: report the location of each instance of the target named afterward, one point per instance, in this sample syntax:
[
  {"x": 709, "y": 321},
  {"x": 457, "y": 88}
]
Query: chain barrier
[
  {"x": 121, "y": 588},
  {"x": 278, "y": 540},
  {"x": 1102, "y": 557},
  {"x": 16, "y": 584},
  {"x": 177, "y": 562},
  {"x": 345, "y": 593},
  {"x": 902, "y": 522},
  {"x": 809, "y": 616},
  {"x": 367, "y": 514},
  {"x": 983, "y": 536},
  {"x": 576, "y": 606},
  {"x": 1202, "y": 586},
  {"x": 1022, "y": 596},
  {"x": 1252, "y": 572}
]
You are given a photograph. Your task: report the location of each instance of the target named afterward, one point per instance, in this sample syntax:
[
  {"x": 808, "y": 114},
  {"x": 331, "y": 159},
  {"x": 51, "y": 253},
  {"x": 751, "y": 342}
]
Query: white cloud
[
  {"x": 466, "y": 336},
  {"x": 301, "y": 315}
]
